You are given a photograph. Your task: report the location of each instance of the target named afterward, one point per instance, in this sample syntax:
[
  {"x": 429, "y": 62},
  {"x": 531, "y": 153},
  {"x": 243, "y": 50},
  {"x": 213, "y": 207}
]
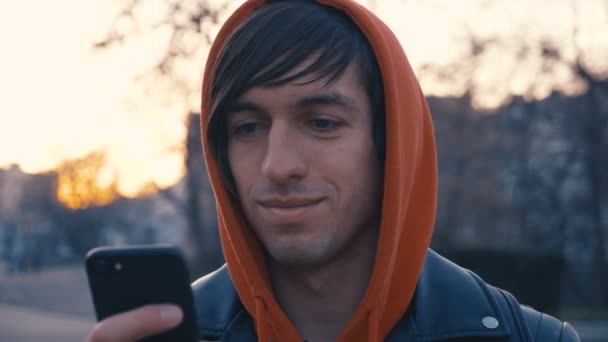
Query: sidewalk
[{"x": 20, "y": 324}]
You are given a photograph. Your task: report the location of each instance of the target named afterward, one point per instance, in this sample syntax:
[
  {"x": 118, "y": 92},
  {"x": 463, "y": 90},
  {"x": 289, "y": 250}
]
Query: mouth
[{"x": 288, "y": 211}]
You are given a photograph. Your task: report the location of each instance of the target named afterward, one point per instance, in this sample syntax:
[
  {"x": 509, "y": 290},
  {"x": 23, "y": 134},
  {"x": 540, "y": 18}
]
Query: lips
[
  {"x": 288, "y": 202},
  {"x": 288, "y": 210}
]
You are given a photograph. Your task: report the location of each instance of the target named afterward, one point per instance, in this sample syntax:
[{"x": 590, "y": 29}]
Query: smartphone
[{"x": 124, "y": 278}]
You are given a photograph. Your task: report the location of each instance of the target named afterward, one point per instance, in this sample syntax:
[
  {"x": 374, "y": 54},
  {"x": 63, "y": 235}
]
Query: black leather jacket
[{"x": 450, "y": 304}]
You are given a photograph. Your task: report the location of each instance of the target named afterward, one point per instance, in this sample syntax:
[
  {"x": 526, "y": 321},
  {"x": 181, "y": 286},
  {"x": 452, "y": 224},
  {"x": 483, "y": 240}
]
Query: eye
[
  {"x": 324, "y": 124},
  {"x": 247, "y": 128}
]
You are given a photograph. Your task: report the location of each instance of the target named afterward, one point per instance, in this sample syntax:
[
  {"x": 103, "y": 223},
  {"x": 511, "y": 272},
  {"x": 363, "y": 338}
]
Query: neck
[{"x": 321, "y": 300}]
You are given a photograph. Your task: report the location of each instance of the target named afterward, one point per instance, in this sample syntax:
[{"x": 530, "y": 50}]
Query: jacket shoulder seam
[{"x": 521, "y": 324}]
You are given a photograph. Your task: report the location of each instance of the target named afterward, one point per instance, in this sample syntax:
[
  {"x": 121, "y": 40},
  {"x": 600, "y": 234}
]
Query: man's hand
[{"x": 136, "y": 324}]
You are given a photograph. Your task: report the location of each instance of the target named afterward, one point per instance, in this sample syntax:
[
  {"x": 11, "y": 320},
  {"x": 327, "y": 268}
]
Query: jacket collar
[
  {"x": 449, "y": 302},
  {"x": 216, "y": 303},
  {"x": 453, "y": 302}
]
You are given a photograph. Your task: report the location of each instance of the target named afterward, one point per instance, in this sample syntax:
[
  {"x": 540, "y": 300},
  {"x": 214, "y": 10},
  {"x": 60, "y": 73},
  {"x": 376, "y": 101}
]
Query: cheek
[
  {"x": 241, "y": 168},
  {"x": 356, "y": 171}
]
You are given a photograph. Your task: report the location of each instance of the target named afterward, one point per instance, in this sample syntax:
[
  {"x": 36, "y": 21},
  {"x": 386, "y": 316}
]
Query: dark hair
[{"x": 275, "y": 39}]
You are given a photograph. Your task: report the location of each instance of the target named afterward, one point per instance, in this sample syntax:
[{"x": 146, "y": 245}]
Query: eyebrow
[
  {"x": 243, "y": 106},
  {"x": 332, "y": 98}
]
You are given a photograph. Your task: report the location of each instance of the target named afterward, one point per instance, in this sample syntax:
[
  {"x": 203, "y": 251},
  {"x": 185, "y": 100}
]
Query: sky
[{"x": 61, "y": 100}]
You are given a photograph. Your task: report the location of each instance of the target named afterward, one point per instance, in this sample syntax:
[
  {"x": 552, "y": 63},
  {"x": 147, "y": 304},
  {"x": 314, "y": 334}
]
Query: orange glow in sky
[
  {"x": 59, "y": 100},
  {"x": 78, "y": 186}
]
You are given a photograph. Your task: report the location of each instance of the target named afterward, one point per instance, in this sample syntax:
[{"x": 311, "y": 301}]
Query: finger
[{"x": 136, "y": 324}]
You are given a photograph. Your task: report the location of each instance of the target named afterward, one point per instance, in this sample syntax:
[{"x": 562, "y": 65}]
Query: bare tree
[
  {"x": 544, "y": 155},
  {"x": 593, "y": 130},
  {"x": 190, "y": 24},
  {"x": 200, "y": 209}
]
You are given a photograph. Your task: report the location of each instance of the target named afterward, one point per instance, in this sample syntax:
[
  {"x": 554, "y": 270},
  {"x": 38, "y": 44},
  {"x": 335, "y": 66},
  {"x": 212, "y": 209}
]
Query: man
[{"x": 320, "y": 148}]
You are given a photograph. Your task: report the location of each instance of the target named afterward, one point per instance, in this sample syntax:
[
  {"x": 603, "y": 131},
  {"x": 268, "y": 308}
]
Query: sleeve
[{"x": 546, "y": 328}]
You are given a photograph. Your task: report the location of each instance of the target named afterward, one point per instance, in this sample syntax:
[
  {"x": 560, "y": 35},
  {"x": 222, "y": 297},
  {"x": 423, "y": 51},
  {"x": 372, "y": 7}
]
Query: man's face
[{"x": 305, "y": 167}]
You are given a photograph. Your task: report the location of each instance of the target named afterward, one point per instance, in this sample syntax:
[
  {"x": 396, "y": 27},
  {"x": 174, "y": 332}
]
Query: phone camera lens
[{"x": 101, "y": 266}]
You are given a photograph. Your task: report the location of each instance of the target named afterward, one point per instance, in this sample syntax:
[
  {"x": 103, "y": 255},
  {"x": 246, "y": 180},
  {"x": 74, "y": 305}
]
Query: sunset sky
[{"x": 59, "y": 99}]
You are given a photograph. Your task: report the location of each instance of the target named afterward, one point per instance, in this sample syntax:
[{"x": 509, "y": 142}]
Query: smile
[{"x": 288, "y": 212}]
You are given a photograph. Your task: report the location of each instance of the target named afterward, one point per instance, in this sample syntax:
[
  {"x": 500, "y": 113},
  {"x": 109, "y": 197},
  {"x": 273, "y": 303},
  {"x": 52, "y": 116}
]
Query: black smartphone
[{"x": 124, "y": 278}]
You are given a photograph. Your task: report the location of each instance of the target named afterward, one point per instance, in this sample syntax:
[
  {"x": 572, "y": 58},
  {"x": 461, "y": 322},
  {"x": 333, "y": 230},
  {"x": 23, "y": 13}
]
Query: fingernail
[{"x": 170, "y": 313}]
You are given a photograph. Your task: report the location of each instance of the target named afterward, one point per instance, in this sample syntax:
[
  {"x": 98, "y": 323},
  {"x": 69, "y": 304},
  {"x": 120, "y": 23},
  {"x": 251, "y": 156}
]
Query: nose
[{"x": 283, "y": 161}]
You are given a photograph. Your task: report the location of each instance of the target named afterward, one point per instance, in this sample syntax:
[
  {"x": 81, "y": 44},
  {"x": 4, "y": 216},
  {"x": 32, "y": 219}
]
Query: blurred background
[{"x": 100, "y": 145}]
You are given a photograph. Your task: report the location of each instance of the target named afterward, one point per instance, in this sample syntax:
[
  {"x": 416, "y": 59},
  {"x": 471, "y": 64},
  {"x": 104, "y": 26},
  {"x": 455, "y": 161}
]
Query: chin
[
  {"x": 297, "y": 261},
  {"x": 299, "y": 254}
]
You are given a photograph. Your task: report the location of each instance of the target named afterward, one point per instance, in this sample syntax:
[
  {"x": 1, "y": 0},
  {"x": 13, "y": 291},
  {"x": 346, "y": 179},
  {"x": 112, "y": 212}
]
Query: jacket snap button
[{"x": 490, "y": 322}]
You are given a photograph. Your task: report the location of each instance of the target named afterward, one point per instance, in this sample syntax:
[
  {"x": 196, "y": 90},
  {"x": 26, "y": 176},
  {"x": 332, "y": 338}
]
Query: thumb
[{"x": 136, "y": 324}]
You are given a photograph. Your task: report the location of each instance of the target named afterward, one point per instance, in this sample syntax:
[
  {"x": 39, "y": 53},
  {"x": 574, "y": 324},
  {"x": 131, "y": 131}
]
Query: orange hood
[{"x": 409, "y": 202}]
